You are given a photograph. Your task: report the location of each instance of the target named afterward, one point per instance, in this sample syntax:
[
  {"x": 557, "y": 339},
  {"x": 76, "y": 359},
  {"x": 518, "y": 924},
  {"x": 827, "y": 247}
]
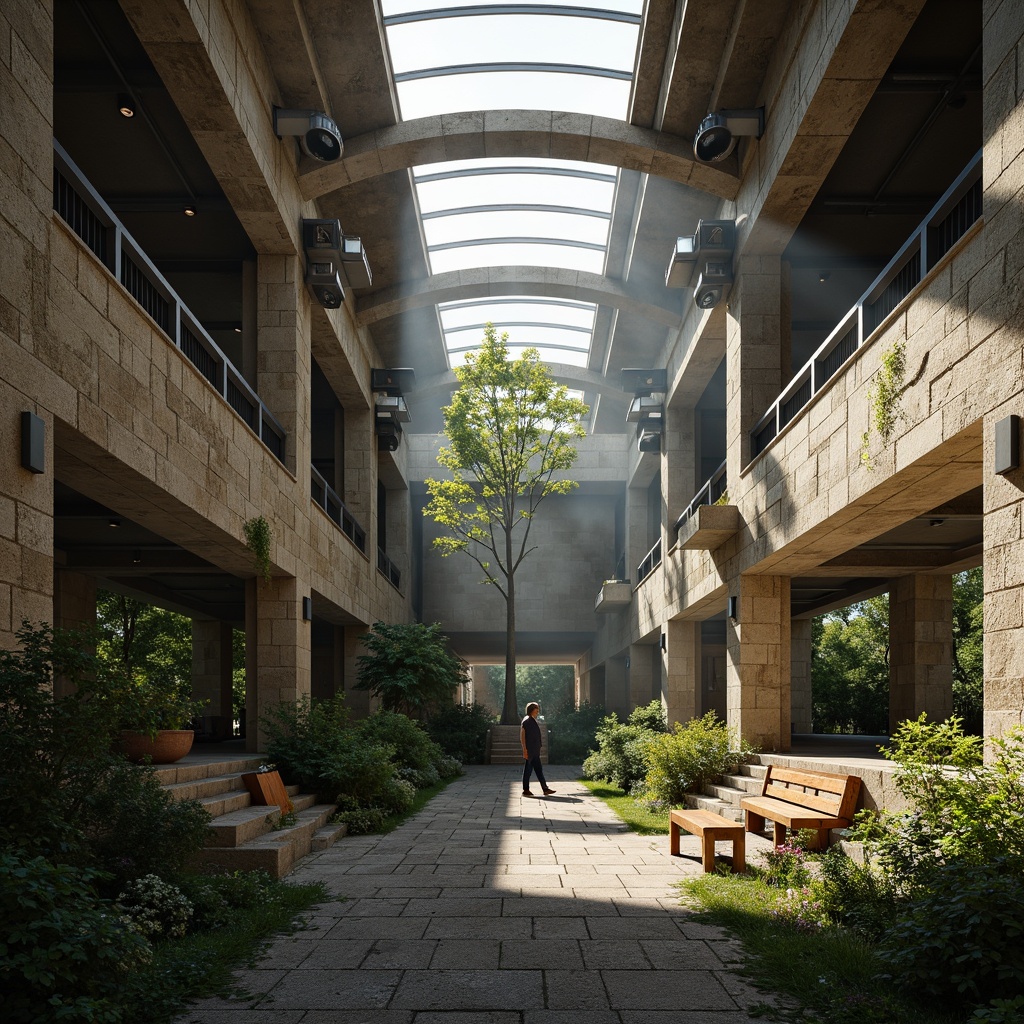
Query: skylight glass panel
[
  {"x": 521, "y": 56},
  {"x": 516, "y": 223},
  {"x": 500, "y": 254}
]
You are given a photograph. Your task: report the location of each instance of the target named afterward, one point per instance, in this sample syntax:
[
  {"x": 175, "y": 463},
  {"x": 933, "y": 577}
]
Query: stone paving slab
[{"x": 487, "y": 908}]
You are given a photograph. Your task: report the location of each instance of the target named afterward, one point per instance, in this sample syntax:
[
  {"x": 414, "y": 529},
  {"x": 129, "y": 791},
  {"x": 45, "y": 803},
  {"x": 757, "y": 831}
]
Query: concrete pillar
[
  {"x": 284, "y": 362},
  {"x": 360, "y": 471},
  {"x": 616, "y": 696},
  {"x": 680, "y": 664},
  {"x": 800, "y": 675},
  {"x": 641, "y": 675},
  {"x": 921, "y": 648},
  {"x": 754, "y": 355},
  {"x": 637, "y": 543},
  {"x": 679, "y": 480},
  {"x": 758, "y": 663},
  {"x": 212, "y": 672},
  {"x": 358, "y": 702},
  {"x": 277, "y": 650}
]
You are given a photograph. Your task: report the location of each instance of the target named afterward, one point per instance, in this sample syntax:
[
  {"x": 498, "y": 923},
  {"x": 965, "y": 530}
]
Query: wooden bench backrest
[{"x": 834, "y": 795}]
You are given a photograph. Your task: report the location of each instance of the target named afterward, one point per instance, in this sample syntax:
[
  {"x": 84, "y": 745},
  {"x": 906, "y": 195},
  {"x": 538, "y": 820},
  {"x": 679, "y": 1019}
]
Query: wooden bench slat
[
  {"x": 825, "y": 804},
  {"x": 791, "y": 815},
  {"x": 709, "y": 827},
  {"x": 827, "y": 781}
]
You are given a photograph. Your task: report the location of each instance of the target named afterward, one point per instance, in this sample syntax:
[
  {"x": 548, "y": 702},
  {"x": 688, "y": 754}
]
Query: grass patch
[
  {"x": 830, "y": 972},
  {"x": 829, "y": 975},
  {"x": 201, "y": 964},
  {"x": 637, "y": 816}
]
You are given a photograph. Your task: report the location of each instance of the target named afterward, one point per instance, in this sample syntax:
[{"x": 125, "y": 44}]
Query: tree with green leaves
[{"x": 510, "y": 429}]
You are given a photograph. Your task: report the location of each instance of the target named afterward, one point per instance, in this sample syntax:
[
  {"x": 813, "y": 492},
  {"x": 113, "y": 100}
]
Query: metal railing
[
  {"x": 651, "y": 561},
  {"x": 92, "y": 220},
  {"x": 326, "y": 497},
  {"x": 947, "y": 222},
  {"x": 714, "y": 487},
  {"x": 388, "y": 569}
]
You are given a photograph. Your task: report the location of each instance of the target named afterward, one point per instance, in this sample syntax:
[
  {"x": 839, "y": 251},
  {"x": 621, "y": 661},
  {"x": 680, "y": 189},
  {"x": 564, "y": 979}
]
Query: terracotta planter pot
[{"x": 168, "y": 746}]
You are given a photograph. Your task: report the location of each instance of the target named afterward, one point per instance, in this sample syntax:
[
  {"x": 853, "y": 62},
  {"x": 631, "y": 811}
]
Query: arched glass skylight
[
  {"x": 515, "y": 211},
  {"x": 493, "y": 56}
]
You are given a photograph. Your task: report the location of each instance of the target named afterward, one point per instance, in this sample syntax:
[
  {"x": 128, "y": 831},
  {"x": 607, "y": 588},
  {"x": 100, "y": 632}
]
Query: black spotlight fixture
[
  {"x": 716, "y": 137},
  {"x": 317, "y": 133}
]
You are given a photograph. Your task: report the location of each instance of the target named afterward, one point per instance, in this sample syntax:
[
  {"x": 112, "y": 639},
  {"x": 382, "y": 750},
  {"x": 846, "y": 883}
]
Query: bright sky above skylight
[{"x": 515, "y": 211}]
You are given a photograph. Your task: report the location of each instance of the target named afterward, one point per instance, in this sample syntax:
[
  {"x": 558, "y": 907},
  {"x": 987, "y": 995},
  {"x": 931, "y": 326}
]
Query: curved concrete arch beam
[
  {"x": 485, "y": 282},
  {"x": 517, "y": 133},
  {"x": 576, "y": 377}
]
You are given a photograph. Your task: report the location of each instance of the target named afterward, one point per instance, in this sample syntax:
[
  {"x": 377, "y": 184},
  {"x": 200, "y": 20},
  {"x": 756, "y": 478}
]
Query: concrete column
[
  {"x": 680, "y": 667},
  {"x": 360, "y": 471},
  {"x": 616, "y": 696},
  {"x": 921, "y": 648},
  {"x": 284, "y": 362},
  {"x": 800, "y": 675},
  {"x": 641, "y": 675},
  {"x": 679, "y": 480},
  {"x": 358, "y": 702},
  {"x": 211, "y": 672},
  {"x": 754, "y": 355},
  {"x": 277, "y": 650},
  {"x": 758, "y": 663},
  {"x": 637, "y": 544}
]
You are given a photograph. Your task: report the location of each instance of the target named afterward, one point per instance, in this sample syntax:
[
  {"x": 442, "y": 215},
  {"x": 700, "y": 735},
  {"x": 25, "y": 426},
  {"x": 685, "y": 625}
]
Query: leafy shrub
[
  {"x": 689, "y": 757},
  {"x": 310, "y": 743},
  {"x": 785, "y": 867},
  {"x": 651, "y": 716},
  {"x": 621, "y": 756},
  {"x": 412, "y": 747},
  {"x": 362, "y": 821},
  {"x": 397, "y": 796},
  {"x": 156, "y": 908},
  {"x": 449, "y": 768},
  {"x": 963, "y": 940},
  {"x": 63, "y": 793},
  {"x": 572, "y": 731},
  {"x": 409, "y": 667},
  {"x": 216, "y": 898},
  {"x": 65, "y": 954},
  {"x": 460, "y": 730},
  {"x": 857, "y": 896},
  {"x": 135, "y": 828}
]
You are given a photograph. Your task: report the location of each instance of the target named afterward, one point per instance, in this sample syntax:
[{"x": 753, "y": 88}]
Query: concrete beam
[
  {"x": 515, "y": 134},
  {"x": 489, "y": 282}
]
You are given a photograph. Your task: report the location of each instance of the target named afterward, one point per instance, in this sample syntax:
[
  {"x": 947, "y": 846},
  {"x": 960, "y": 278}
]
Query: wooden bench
[
  {"x": 711, "y": 828},
  {"x": 794, "y": 799}
]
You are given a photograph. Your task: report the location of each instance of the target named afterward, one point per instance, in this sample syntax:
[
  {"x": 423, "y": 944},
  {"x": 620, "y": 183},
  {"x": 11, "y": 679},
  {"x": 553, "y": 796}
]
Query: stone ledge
[
  {"x": 709, "y": 527},
  {"x": 613, "y": 596}
]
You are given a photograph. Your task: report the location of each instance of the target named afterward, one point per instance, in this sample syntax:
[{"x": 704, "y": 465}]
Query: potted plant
[{"x": 155, "y": 716}]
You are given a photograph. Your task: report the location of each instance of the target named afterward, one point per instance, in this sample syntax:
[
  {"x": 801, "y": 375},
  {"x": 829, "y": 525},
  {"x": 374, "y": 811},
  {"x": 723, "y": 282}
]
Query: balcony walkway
[{"x": 491, "y": 908}]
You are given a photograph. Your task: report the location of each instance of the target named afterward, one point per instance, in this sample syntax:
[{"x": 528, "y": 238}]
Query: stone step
[
  {"x": 211, "y": 786},
  {"x": 169, "y": 775},
  {"x": 275, "y": 852},
  {"x": 726, "y": 793},
  {"x": 726, "y": 809},
  {"x": 748, "y": 784},
  {"x": 240, "y": 826}
]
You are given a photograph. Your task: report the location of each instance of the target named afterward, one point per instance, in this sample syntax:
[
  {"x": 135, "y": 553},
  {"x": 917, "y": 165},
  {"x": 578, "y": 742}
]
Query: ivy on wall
[
  {"x": 257, "y": 540},
  {"x": 886, "y": 389}
]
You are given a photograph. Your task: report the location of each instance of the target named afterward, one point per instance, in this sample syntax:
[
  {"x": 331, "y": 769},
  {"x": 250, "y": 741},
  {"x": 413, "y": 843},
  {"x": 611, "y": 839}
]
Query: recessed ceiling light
[
  {"x": 126, "y": 105},
  {"x": 189, "y": 211}
]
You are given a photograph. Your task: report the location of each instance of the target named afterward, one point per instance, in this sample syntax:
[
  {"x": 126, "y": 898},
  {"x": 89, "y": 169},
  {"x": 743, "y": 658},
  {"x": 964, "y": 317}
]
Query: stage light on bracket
[
  {"x": 717, "y": 134},
  {"x": 317, "y": 133}
]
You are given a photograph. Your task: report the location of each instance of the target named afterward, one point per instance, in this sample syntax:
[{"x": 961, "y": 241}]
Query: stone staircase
[
  {"x": 723, "y": 797},
  {"x": 504, "y": 746},
  {"x": 242, "y": 836}
]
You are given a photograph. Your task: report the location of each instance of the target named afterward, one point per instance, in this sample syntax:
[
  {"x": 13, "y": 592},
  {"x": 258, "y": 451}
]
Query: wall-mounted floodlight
[
  {"x": 394, "y": 380},
  {"x": 390, "y": 410},
  {"x": 707, "y": 254},
  {"x": 333, "y": 260},
  {"x": 644, "y": 382},
  {"x": 716, "y": 137},
  {"x": 389, "y": 433},
  {"x": 317, "y": 133},
  {"x": 355, "y": 267},
  {"x": 642, "y": 407}
]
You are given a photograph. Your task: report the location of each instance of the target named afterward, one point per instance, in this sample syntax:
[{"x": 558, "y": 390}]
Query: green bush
[
  {"x": 962, "y": 941},
  {"x": 156, "y": 908},
  {"x": 572, "y": 731},
  {"x": 312, "y": 746},
  {"x": 650, "y": 716},
  {"x": 362, "y": 821},
  {"x": 65, "y": 954},
  {"x": 621, "y": 756},
  {"x": 461, "y": 731},
  {"x": 412, "y": 747},
  {"x": 686, "y": 759},
  {"x": 857, "y": 896},
  {"x": 63, "y": 793}
]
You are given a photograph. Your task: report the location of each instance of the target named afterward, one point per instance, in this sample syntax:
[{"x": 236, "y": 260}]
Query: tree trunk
[{"x": 510, "y": 711}]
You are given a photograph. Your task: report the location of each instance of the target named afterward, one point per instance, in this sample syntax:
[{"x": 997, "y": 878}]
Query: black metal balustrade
[
  {"x": 388, "y": 569},
  {"x": 82, "y": 208},
  {"x": 324, "y": 495},
  {"x": 947, "y": 222},
  {"x": 713, "y": 489},
  {"x": 651, "y": 561}
]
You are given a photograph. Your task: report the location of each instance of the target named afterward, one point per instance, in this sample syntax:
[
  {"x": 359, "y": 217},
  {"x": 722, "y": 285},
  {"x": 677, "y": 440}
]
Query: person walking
[{"x": 532, "y": 740}]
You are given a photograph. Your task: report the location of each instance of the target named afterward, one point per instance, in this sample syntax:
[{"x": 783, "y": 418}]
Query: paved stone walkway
[{"x": 491, "y": 908}]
